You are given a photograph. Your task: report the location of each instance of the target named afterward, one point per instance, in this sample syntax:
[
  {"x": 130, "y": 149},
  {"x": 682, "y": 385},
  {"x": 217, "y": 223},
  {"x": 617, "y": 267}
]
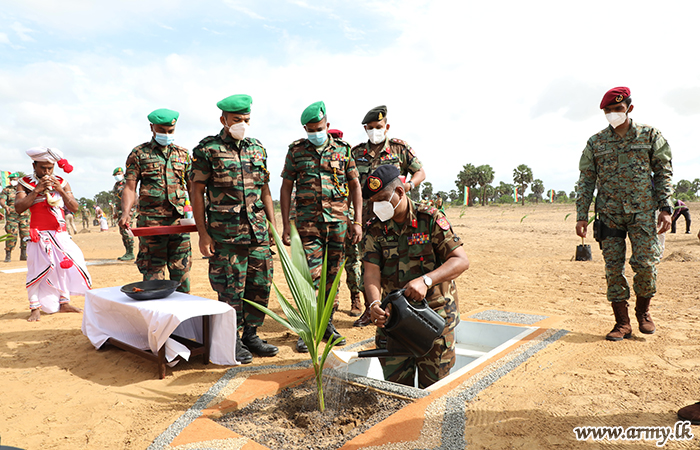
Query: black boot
[
  {"x": 23, "y": 254},
  {"x": 301, "y": 346},
  {"x": 331, "y": 332},
  {"x": 242, "y": 354},
  {"x": 255, "y": 344},
  {"x": 8, "y": 255}
]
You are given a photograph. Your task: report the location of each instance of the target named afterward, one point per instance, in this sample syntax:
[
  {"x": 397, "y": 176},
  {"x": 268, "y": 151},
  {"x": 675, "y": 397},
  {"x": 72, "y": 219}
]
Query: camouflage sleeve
[
  {"x": 586, "y": 183},
  {"x": 133, "y": 169},
  {"x": 411, "y": 163},
  {"x": 371, "y": 250},
  {"x": 663, "y": 170},
  {"x": 201, "y": 165},
  {"x": 442, "y": 237},
  {"x": 289, "y": 172},
  {"x": 351, "y": 172},
  {"x": 267, "y": 171}
]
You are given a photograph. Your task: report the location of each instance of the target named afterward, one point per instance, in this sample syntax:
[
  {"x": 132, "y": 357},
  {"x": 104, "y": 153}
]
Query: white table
[{"x": 162, "y": 330}]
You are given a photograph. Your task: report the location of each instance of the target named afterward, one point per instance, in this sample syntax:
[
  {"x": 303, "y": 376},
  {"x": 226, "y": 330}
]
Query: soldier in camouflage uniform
[
  {"x": 377, "y": 151},
  {"x": 353, "y": 267},
  {"x": 411, "y": 247},
  {"x": 630, "y": 164},
  {"x": 325, "y": 174},
  {"x": 117, "y": 190},
  {"x": 231, "y": 170},
  {"x": 161, "y": 167},
  {"x": 15, "y": 224}
]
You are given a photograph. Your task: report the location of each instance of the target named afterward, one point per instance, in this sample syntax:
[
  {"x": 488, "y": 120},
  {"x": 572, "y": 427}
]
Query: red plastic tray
[{"x": 171, "y": 229}]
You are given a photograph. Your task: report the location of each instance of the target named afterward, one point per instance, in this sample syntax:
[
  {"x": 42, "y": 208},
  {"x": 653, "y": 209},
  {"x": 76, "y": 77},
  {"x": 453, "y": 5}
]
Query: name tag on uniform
[
  {"x": 335, "y": 164},
  {"x": 641, "y": 146},
  {"x": 603, "y": 152}
]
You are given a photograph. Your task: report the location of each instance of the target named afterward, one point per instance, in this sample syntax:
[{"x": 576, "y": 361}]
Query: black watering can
[{"x": 411, "y": 330}]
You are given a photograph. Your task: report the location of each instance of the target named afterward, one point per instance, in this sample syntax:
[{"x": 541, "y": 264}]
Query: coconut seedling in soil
[{"x": 313, "y": 309}]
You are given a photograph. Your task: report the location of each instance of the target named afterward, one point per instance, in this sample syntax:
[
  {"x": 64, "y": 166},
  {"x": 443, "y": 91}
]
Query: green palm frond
[{"x": 313, "y": 310}]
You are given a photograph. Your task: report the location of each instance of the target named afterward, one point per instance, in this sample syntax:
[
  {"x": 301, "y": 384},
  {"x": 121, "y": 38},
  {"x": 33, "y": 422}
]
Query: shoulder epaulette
[
  {"x": 297, "y": 142},
  {"x": 254, "y": 141},
  {"x": 397, "y": 141},
  {"x": 426, "y": 208}
]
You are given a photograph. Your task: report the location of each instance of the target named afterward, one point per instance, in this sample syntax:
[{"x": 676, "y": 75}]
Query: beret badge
[
  {"x": 619, "y": 98},
  {"x": 375, "y": 183}
]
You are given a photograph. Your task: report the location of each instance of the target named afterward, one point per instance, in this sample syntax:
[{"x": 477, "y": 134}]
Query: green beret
[
  {"x": 239, "y": 104},
  {"x": 313, "y": 113},
  {"x": 118, "y": 169},
  {"x": 375, "y": 114},
  {"x": 14, "y": 175},
  {"x": 163, "y": 117}
]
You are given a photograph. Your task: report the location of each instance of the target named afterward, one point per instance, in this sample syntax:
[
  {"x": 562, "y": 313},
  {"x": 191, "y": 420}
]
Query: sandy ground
[{"x": 58, "y": 392}]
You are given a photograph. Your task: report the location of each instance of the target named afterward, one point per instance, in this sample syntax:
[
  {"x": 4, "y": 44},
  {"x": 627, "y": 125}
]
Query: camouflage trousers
[
  {"x": 353, "y": 267},
  {"x": 238, "y": 272},
  {"x": 16, "y": 228},
  {"x": 434, "y": 366},
  {"x": 641, "y": 230},
  {"x": 158, "y": 252},
  {"x": 319, "y": 238}
]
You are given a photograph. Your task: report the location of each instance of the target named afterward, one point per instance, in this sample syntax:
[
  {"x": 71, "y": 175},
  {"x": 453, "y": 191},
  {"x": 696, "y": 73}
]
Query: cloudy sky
[{"x": 490, "y": 82}]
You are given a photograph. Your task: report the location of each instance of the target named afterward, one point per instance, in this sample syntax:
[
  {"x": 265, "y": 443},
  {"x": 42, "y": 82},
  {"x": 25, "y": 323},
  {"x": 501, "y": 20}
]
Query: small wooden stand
[{"x": 195, "y": 347}]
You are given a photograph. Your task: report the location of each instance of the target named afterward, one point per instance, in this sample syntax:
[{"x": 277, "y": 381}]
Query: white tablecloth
[{"x": 148, "y": 324}]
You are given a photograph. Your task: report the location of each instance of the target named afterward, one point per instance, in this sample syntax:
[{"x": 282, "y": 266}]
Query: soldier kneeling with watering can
[{"x": 411, "y": 247}]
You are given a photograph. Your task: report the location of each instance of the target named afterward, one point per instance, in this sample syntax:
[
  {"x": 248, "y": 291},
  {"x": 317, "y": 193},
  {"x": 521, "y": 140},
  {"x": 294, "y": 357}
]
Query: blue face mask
[
  {"x": 317, "y": 138},
  {"x": 165, "y": 139}
]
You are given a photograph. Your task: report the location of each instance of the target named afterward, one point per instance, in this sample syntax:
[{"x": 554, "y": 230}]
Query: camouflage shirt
[
  {"x": 162, "y": 172},
  {"x": 117, "y": 192},
  {"x": 234, "y": 173},
  {"x": 321, "y": 175},
  {"x": 409, "y": 250},
  {"x": 395, "y": 151},
  {"x": 9, "y": 195},
  {"x": 632, "y": 173}
]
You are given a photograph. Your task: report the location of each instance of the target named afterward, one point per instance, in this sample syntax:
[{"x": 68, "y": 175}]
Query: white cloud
[{"x": 22, "y": 32}]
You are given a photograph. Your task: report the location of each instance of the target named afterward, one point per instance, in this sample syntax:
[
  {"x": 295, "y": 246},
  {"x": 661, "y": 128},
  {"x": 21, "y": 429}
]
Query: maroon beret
[
  {"x": 336, "y": 134},
  {"x": 614, "y": 95}
]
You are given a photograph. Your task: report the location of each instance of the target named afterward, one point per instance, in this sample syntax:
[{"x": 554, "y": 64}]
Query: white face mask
[
  {"x": 384, "y": 210},
  {"x": 376, "y": 135},
  {"x": 616, "y": 118},
  {"x": 14, "y": 182},
  {"x": 238, "y": 130},
  {"x": 119, "y": 177}
]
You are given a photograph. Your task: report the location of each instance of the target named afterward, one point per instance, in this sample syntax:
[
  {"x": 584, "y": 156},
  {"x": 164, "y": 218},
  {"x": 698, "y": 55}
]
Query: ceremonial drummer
[{"x": 55, "y": 265}]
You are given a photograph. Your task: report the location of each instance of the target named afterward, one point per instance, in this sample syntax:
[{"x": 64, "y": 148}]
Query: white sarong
[{"x": 48, "y": 284}]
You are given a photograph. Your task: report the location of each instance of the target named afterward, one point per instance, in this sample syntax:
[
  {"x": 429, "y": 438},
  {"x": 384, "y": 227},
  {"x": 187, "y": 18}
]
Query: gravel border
[{"x": 445, "y": 418}]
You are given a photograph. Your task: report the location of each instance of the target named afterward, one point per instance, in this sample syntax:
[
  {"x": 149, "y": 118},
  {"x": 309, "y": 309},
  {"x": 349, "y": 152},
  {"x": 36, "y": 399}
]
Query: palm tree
[
  {"x": 484, "y": 176},
  {"x": 522, "y": 176},
  {"x": 537, "y": 189},
  {"x": 467, "y": 177}
]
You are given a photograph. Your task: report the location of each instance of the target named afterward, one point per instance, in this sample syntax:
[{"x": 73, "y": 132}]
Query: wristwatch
[
  {"x": 666, "y": 209},
  {"x": 427, "y": 280},
  {"x": 413, "y": 186}
]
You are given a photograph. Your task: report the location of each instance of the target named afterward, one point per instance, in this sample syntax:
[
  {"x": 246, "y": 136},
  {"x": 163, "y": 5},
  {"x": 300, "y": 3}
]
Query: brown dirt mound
[
  {"x": 291, "y": 419},
  {"x": 681, "y": 256}
]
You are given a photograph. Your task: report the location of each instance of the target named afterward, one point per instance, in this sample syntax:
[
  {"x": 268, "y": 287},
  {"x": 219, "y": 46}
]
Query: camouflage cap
[
  {"x": 336, "y": 133},
  {"x": 118, "y": 169},
  {"x": 375, "y": 114},
  {"x": 615, "y": 95},
  {"x": 313, "y": 113},
  {"x": 237, "y": 104},
  {"x": 163, "y": 117},
  {"x": 379, "y": 179}
]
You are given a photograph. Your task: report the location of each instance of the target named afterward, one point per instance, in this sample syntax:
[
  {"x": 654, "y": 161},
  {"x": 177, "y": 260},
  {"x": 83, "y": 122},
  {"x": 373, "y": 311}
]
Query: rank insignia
[
  {"x": 443, "y": 223},
  {"x": 418, "y": 239}
]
